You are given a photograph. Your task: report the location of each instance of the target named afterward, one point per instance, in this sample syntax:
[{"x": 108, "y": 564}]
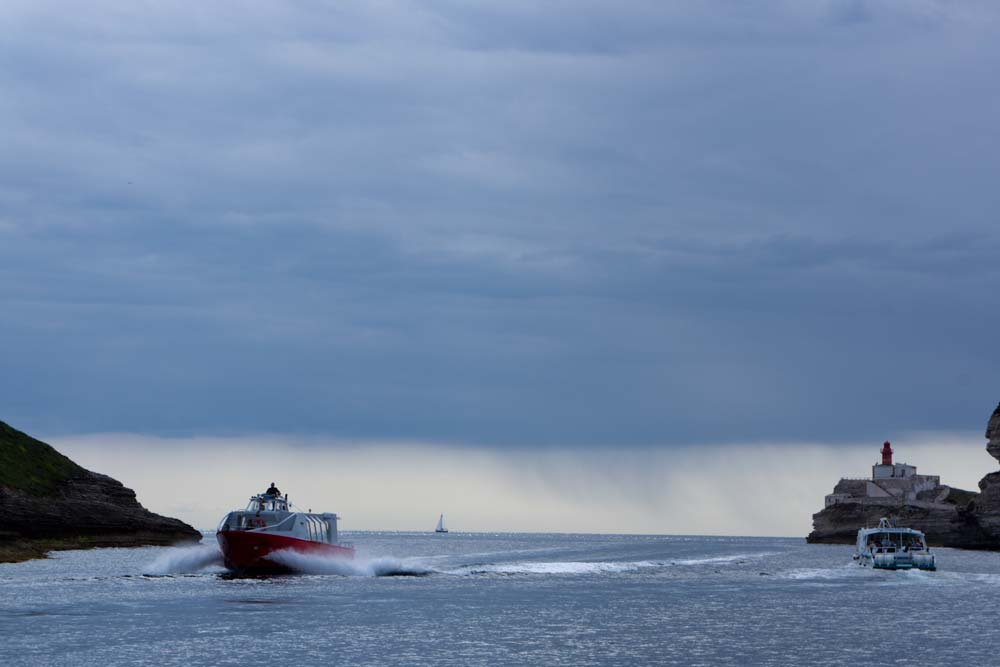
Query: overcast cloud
[
  {"x": 503, "y": 223},
  {"x": 734, "y": 489}
]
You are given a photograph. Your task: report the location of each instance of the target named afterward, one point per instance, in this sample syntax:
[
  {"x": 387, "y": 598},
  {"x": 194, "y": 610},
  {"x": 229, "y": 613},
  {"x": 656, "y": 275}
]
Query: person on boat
[{"x": 272, "y": 491}]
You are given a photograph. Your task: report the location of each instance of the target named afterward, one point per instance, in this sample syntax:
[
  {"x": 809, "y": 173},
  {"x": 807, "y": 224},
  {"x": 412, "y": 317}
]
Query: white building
[
  {"x": 893, "y": 471},
  {"x": 889, "y": 482},
  {"x": 889, "y": 470}
]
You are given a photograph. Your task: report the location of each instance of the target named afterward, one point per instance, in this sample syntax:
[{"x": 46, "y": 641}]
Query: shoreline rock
[
  {"x": 19, "y": 550},
  {"x": 48, "y": 502}
]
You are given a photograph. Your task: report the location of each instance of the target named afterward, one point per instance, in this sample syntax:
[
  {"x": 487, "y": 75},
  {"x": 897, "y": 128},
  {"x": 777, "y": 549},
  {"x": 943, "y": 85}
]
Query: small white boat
[
  {"x": 440, "y": 527},
  {"x": 888, "y": 547}
]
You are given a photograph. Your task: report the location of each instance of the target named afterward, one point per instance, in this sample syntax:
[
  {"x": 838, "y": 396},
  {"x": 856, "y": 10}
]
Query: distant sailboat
[{"x": 440, "y": 527}]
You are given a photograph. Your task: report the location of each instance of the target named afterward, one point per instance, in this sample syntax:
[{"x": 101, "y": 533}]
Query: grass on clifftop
[{"x": 31, "y": 465}]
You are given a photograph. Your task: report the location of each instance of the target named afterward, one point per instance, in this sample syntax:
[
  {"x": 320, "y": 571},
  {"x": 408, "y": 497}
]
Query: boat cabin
[
  {"x": 886, "y": 538},
  {"x": 893, "y": 541},
  {"x": 267, "y": 503},
  {"x": 890, "y": 548},
  {"x": 270, "y": 513}
]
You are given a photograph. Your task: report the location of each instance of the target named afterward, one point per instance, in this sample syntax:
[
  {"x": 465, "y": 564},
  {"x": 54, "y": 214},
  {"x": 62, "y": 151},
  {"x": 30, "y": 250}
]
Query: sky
[
  {"x": 760, "y": 490},
  {"x": 494, "y": 228}
]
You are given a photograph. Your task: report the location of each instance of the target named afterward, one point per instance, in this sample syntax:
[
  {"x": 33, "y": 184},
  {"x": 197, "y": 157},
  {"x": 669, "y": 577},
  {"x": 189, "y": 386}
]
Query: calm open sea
[{"x": 504, "y": 599}]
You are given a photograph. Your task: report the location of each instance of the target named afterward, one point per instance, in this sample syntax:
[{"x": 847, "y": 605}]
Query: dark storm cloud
[{"x": 500, "y": 223}]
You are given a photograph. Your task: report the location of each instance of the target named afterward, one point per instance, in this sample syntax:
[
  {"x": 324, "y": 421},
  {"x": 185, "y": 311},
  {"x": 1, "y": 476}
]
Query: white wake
[
  {"x": 348, "y": 567},
  {"x": 716, "y": 560},
  {"x": 557, "y": 567},
  {"x": 185, "y": 560},
  {"x": 596, "y": 567}
]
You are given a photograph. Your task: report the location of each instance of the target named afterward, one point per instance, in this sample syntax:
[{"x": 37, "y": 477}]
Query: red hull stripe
[{"x": 247, "y": 549}]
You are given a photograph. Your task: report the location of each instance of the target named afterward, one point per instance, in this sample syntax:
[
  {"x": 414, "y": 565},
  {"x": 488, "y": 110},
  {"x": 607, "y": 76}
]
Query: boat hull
[
  {"x": 248, "y": 550},
  {"x": 896, "y": 562}
]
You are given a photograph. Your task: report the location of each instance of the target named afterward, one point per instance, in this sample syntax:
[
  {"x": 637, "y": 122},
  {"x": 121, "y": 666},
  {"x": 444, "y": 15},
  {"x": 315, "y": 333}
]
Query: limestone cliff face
[
  {"x": 48, "y": 501},
  {"x": 988, "y": 505},
  {"x": 950, "y": 517},
  {"x": 993, "y": 435},
  {"x": 944, "y": 524}
]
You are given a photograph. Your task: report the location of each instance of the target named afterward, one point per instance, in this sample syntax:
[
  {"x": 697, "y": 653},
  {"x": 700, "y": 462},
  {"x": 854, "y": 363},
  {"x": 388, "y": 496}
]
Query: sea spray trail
[
  {"x": 852, "y": 572},
  {"x": 718, "y": 560},
  {"x": 564, "y": 567},
  {"x": 597, "y": 567},
  {"x": 345, "y": 567},
  {"x": 185, "y": 560}
]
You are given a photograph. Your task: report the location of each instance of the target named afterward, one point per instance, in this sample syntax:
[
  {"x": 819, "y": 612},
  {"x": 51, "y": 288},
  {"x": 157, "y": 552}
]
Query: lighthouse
[
  {"x": 890, "y": 484},
  {"x": 889, "y": 470}
]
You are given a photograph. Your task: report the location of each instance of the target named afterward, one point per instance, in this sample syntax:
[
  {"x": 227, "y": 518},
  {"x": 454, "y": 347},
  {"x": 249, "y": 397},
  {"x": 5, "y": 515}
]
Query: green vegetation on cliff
[{"x": 31, "y": 465}]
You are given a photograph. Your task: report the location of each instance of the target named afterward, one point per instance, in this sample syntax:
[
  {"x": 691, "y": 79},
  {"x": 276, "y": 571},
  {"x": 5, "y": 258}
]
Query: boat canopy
[
  {"x": 894, "y": 540},
  {"x": 887, "y": 538}
]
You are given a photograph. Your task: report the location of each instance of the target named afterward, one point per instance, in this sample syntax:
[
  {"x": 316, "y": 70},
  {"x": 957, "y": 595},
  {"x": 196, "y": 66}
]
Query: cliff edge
[
  {"x": 48, "y": 502},
  {"x": 987, "y": 506},
  {"x": 950, "y": 517}
]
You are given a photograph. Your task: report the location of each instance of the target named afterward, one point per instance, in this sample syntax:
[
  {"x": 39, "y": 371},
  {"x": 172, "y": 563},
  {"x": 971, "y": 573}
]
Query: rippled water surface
[{"x": 503, "y": 599}]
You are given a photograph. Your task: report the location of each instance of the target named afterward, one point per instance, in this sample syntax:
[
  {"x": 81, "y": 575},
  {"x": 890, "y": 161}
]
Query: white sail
[{"x": 440, "y": 527}]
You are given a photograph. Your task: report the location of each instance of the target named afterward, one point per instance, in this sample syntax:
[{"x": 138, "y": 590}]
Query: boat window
[{"x": 318, "y": 529}]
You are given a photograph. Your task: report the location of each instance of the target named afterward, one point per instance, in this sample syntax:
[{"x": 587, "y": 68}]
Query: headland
[
  {"x": 950, "y": 517},
  {"x": 48, "y": 503}
]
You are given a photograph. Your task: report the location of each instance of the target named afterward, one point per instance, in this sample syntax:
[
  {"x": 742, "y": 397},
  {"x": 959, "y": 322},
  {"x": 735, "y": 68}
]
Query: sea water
[{"x": 503, "y": 599}]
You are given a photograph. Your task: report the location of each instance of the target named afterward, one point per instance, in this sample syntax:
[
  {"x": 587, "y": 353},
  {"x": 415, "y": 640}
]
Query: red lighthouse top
[{"x": 886, "y": 454}]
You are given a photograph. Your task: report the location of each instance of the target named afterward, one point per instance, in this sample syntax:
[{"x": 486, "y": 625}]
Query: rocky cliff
[
  {"x": 49, "y": 502},
  {"x": 993, "y": 435},
  {"x": 945, "y": 523},
  {"x": 987, "y": 506},
  {"x": 950, "y": 517}
]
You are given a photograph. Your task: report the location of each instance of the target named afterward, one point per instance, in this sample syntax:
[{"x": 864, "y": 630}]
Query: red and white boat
[{"x": 268, "y": 525}]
